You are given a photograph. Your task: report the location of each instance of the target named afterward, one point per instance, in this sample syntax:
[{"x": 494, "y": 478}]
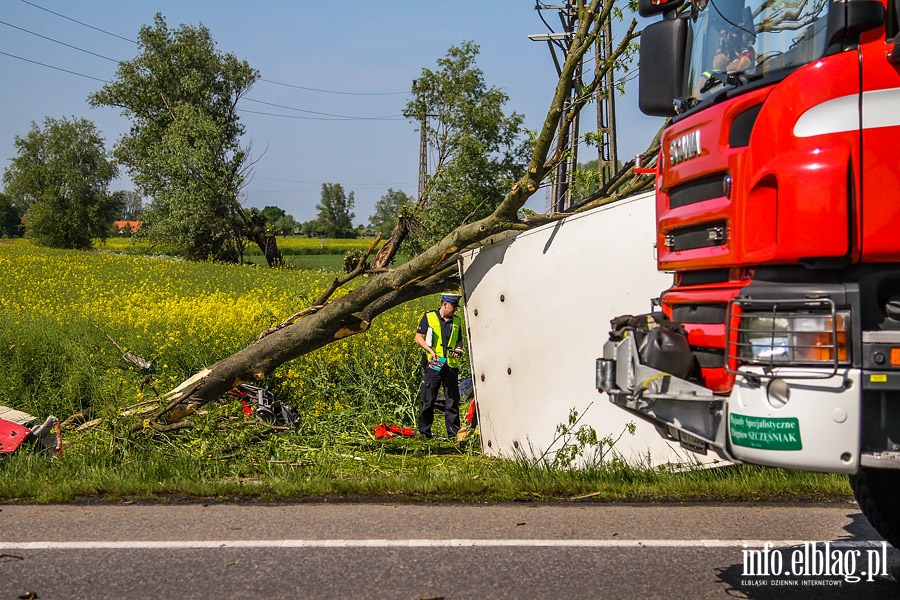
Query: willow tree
[
  {"x": 183, "y": 149},
  {"x": 435, "y": 268}
]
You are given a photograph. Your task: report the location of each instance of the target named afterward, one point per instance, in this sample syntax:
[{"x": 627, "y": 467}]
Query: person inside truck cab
[{"x": 734, "y": 52}]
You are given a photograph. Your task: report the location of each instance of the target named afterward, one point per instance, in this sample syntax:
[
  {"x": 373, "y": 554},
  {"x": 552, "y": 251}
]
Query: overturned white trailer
[{"x": 538, "y": 308}]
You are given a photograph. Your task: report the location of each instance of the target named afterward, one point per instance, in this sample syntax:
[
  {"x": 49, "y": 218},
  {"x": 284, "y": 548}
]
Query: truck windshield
[{"x": 733, "y": 42}]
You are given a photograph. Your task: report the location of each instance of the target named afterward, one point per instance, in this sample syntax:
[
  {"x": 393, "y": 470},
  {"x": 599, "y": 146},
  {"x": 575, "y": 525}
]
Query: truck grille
[{"x": 698, "y": 191}]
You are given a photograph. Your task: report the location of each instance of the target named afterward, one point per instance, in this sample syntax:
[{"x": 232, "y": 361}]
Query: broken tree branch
[{"x": 429, "y": 272}]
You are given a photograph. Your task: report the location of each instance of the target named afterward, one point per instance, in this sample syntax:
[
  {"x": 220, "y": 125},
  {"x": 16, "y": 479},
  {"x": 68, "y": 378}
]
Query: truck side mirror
[
  {"x": 648, "y": 8},
  {"x": 661, "y": 66},
  {"x": 894, "y": 55},
  {"x": 857, "y": 16}
]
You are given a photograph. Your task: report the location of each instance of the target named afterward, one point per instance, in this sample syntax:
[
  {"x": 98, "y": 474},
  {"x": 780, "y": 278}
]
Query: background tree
[
  {"x": 183, "y": 149},
  {"x": 286, "y": 225},
  {"x": 434, "y": 269},
  {"x": 273, "y": 213},
  {"x": 477, "y": 149},
  {"x": 335, "y": 211},
  {"x": 132, "y": 204},
  {"x": 312, "y": 228},
  {"x": 278, "y": 221},
  {"x": 61, "y": 177},
  {"x": 10, "y": 218},
  {"x": 388, "y": 208}
]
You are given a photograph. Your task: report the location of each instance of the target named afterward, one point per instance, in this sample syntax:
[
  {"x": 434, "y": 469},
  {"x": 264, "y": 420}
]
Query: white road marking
[{"x": 413, "y": 543}]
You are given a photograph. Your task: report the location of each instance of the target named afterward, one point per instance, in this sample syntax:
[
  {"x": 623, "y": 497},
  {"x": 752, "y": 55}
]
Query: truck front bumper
[
  {"x": 680, "y": 410},
  {"x": 780, "y": 418}
]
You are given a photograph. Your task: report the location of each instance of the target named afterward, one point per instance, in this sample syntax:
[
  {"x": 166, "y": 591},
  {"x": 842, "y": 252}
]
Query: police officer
[{"x": 440, "y": 337}]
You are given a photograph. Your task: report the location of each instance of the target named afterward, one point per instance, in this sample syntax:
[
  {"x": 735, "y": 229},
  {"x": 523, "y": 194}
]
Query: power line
[
  {"x": 79, "y": 22},
  {"x": 269, "y": 114},
  {"x": 55, "y": 68},
  {"x": 325, "y": 117},
  {"x": 281, "y": 83},
  {"x": 59, "y": 42},
  {"x": 311, "y": 89},
  {"x": 336, "y": 116},
  {"x": 313, "y": 112},
  {"x": 312, "y": 189},
  {"x": 355, "y": 184}
]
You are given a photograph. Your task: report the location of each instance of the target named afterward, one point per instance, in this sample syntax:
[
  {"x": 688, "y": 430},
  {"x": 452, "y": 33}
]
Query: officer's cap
[{"x": 451, "y": 298}]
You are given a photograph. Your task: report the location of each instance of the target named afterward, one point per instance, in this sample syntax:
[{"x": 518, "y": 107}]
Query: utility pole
[
  {"x": 561, "y": 195},
  {"x": 607, "y": 153},
  {"x": 607, "y": 149},
  {"x": 423, "y": 152},
  {"x": 423, "y": 157}
]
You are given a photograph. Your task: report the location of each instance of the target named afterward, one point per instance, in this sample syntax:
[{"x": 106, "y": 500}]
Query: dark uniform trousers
[{"x": 432, "y": 381}]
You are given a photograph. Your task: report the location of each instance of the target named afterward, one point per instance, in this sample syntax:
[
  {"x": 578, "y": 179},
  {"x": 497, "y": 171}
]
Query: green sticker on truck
[{"x": 765, "y": 433}]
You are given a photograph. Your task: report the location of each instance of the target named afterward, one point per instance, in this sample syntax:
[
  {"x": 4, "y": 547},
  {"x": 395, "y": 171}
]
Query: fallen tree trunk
[
  {"x": 432, "y": 271},
  {"x": 337, "y": 320}
]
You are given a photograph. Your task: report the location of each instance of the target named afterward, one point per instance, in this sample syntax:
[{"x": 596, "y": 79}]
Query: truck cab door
[{"x": 880, "y": 130}]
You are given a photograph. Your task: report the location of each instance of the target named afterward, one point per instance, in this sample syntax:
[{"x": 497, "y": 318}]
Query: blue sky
[{"x": 361, "y": 54}]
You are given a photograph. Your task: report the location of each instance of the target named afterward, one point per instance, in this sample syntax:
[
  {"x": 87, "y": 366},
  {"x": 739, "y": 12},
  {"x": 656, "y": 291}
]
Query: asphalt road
[{"x": 350, "y": 550}]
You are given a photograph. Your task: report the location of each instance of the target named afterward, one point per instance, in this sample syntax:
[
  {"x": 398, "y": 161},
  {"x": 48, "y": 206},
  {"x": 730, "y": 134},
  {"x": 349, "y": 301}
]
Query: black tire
[
  {"x": 877, "y": 492},
  {"x": 265, "y": 414}
]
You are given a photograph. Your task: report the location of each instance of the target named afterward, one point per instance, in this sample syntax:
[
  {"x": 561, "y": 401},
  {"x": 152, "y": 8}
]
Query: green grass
[
  {"x": 299, "y": 252},
  {"x": 401, "y": 470},
  {"x": 183, "y": 316},
  {"x": 295, "y": 245},
  {"x": 313, "y": 262}
]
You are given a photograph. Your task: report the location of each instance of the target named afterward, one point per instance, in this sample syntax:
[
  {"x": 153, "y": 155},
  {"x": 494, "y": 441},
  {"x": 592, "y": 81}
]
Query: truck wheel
[{"x": 878, "y": 493}]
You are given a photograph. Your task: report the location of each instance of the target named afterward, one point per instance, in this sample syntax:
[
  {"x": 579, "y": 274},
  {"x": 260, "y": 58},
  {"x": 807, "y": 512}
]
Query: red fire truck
[{"x": 778, "y": 212}]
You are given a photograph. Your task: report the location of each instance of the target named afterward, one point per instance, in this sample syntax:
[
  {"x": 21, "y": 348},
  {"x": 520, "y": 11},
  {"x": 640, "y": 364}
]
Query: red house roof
[{"x": 134, "y": 226}]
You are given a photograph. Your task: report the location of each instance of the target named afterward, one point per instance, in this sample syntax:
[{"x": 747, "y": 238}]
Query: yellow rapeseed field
[{"x": 181, "y": 316}]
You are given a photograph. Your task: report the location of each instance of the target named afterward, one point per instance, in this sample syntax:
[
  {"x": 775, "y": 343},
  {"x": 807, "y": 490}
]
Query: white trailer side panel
[{"x": 538, "y": 307}]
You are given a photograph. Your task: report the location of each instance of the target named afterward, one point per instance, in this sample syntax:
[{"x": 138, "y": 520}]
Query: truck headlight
[{"x": 793, "y": 338}]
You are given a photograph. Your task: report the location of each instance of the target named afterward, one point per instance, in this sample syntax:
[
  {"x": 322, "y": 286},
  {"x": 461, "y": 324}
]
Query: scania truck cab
[{"x": 778, "y": 213}]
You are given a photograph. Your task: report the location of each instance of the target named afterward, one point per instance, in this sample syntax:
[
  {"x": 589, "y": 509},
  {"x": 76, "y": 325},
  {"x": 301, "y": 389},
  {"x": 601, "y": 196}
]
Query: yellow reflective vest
[{"x": 434, "y": 340}]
